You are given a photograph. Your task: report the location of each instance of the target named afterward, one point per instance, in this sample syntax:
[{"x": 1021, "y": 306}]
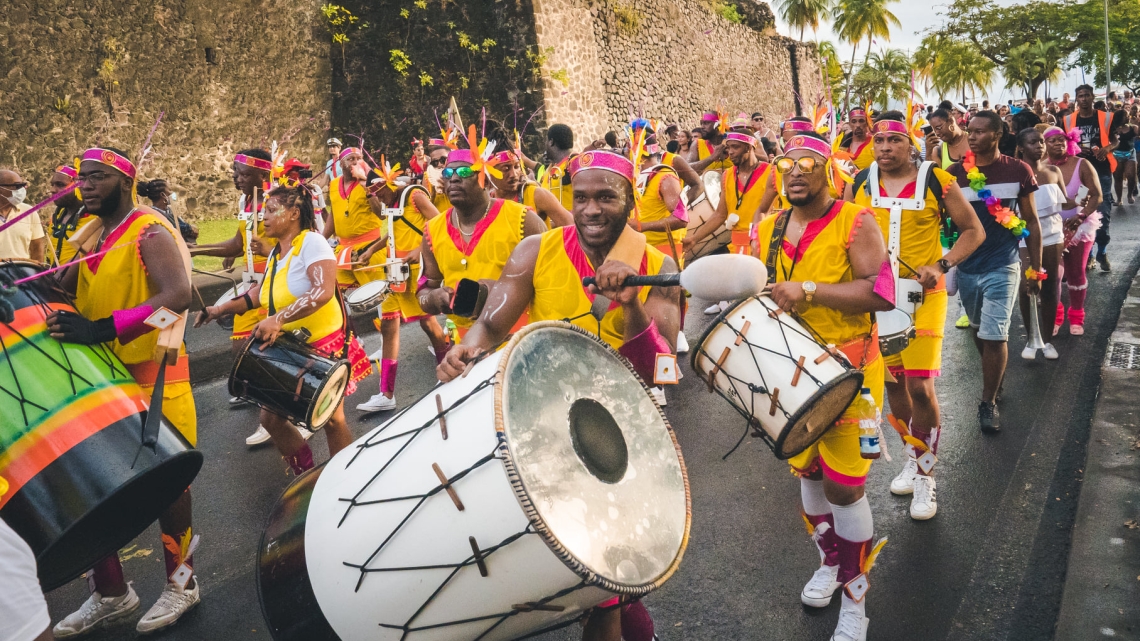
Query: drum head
[
  {"x": 329, "y": 396},
  {"x": 591, "y": 458},
  {"x": 366, "y": 292},
  {"x": 814, "y": 419}
]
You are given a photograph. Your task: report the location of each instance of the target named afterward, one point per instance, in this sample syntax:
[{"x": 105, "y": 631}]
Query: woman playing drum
[{"x": 299, "y": 293}]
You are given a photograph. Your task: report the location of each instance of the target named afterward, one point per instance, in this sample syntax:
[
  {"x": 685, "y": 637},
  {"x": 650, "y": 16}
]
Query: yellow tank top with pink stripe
[
  {"x": 744, "y": 201},
  {"x": 653, "y": 209}
]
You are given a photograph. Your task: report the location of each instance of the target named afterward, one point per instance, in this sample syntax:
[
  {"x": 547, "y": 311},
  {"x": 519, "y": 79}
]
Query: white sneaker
[
  {"x": 1050, "y": 352},
  {"x": 431, "y": 349},
  {"x": 853, "y": 622},
  {"x": 924, "y": 504},
  {"x": 258, "y": 437},
  {"x": 95, "y": 612},
  {"x": 1029, "y": 353},
  {"x": 305, "y": 434},
  {"x": 821, "y": 587},
  {"x": 378, "y": 403},
  {"x": 234, "y": 400},
  {"x": 658, "y": 395},
  {"x": 713, "y": 309},
  {"x": 171, "y": 605},
  {"x": 682, "y": 343},
  {"x": 904, "y": 482}
]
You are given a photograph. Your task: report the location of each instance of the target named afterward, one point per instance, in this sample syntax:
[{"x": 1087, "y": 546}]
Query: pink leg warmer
[
  {"x": 129, "y": 323},
  {"x": 928, "y": 436},
  {"x": 107, "y": 572},
  {"x": 388, "y": 376},
  {"x": 853, "y": 529},
  {"x": 172, "y": 552},
  {"x": 1060, "y": 318},
  {"x": 302, "y": 461},
  {"x": 642, "y": 351},
  {"x": 636, "y": 624}
]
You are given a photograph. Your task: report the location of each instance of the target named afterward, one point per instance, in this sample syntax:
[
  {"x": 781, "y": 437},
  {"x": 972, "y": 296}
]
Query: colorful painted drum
[{"x": 80, "y": 484}]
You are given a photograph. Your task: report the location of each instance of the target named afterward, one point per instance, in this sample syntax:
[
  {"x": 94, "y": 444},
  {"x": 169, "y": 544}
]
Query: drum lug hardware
[
  {"x": 540, "y": 607},
  {"x": 447, "y": 486},
  {"x": 829, "y": 350},
  {"x": 743, "y": 332},
  {"x": 478, "y": 556},
  {"x": 442, "y": 418},
  {"x": 719, "y": 364},
  {"x": 799, "y": 370},
  {"x": 775, "y": 402}
]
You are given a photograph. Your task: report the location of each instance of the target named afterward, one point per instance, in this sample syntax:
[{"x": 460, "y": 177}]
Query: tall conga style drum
[
  {"x": 702, "y": 210},
  {"x": 80, "y": 483},
  {"x": 503, "y": 503}
]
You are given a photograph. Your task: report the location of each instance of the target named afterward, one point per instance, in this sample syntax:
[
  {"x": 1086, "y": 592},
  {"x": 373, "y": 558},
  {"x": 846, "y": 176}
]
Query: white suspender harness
[{"x": 896, "y": 206}]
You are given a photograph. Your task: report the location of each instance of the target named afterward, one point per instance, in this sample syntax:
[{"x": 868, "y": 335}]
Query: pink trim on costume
[
  {"x": 93, "y": 262},
  {"x": 797, "y": 125},
  {"x": 609, "y": 603},
  {"x": 641, "y": 351},
  {"x": 739, "y": 137},
  {"x": 348, "y": 150},
  {"x": 851, "y": 555},
  {"x": 812, "y": 230},
  {"x": 885, "y": 283},
  {"x": 889, "y": 127},
  {"x": 68, "y": 171},
  {"x": 130, "y": 323},
  {"x": 388, "y": 376},
  {"x": 256, "y": 163},
  {"x": 806, "y": 473},
  {"x": 680, "y": 212},
  {"x": 301, "y": 461},
  {"x": 899, "y": 370},
  {"x": 857, "y": 111},
  {"x": 466, "y": 247},
  {"x": 855, "y": 153},
  {"x": 437, "y": 142},
  {"x": 710, "y": 116},
  {"x": 108, "y": 157},
  {"x": 502, "y": 157},
  {"x": 839, "y": 477}
]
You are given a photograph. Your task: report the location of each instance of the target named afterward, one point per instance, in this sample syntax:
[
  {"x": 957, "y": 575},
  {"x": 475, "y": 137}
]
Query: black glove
[{"x": 77, "y": 329}]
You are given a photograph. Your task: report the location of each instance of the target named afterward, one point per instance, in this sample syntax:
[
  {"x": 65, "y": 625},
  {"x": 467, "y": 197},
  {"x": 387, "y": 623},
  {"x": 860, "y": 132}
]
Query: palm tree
[
  {"x": 1030, "y": 64},
  {"x": 854, "y": 20},
  {"x": 924, "y": 58},
  {"x": 831, "y": 68},
  {"x": 884, "y": 77},
  {"x": 959, "y": 67},
  {"x": 803, "y": 13}
]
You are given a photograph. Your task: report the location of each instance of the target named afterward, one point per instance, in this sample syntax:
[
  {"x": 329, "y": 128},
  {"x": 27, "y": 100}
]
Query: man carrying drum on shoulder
[
  {"x": 914, "y": 404},
  {"x": 471, "y": 241},
  {"x": 545, "y": 274},
  {"x": 299, "y": 293},
  {"x": 145, "y": 269},
  {"x": 829, "y": 264}
]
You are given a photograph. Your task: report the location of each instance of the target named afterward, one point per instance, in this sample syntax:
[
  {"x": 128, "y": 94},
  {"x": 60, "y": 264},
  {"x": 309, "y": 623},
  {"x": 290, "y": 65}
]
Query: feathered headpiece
[{"x": 481, "y": 152}]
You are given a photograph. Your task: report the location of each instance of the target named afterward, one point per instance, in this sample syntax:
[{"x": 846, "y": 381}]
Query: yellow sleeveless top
[
  {"x": 862, "y": 156},
  {"x": 352, "y": 216},
  {"x": 704, "y": 150},
  {"x": 408, "y": 239},
  {"x": 821, "y": 257},
  {"x": 919, "y": 242},
  {"x": 558, "y": 291},
  {"x": 744, "y": 200},
  {"x": 118, "y": 280},
  {"x": 653, "y": 207},
  {"x": 485, "y": 255},
  {"x": 321, "y": 323},
  {"x": 439, "y": 199},
  {"x": 552, "y": 179}
]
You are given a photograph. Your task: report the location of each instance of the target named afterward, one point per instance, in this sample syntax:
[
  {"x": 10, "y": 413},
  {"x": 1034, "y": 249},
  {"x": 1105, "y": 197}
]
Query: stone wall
[
  {"x": 668, "y": 59},
  {"x": 228, "y": 74}
]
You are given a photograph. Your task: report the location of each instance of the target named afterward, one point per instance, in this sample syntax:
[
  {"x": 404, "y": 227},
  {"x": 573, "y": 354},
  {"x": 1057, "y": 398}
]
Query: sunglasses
[
  {"x": 462, "y": 172},
  {"x": 438, "y": 162},
  {"x": 806, "y": 164}
]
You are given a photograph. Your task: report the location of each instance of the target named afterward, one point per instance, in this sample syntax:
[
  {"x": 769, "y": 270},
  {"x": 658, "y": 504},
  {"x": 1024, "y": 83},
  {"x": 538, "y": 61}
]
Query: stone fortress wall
[
  {"x": 228, "y": 75},
  {"x": 667, "y": 59}
]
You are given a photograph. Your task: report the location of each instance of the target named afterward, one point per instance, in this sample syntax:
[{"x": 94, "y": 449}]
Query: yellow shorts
[
  {"x": 923, "y": 357},
  {"x": 837, "y": 451},
  {"x": 244, "y": 323},
  {"x": 178, "y": 408},
  {"x": 404, "y": 305}
]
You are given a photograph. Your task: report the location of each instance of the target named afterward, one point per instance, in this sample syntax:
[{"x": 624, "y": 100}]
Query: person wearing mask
[
  {"x": 69, "y": 213},
  {"x": 24, "y": 239}
]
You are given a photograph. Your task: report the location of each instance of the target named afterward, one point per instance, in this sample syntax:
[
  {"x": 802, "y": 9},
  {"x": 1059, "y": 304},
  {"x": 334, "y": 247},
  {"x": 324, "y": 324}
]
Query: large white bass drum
[{"x": 501, "y": 504}]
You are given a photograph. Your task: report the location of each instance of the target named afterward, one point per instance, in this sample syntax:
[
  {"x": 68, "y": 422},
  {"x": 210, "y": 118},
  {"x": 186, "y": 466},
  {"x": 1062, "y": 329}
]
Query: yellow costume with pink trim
[
  {"x": 744, "y": 201},
  {"x": 556, "y": 180},
  {"x": 704, "y": 150},
  {"x": 356, "y": 226},
  {"x": 862, "y": 155},
  {"x": 118, "y": 280},
  {"x": 404, "y": 304},
  {"x": 919, "y": 245},
  {"x": 652, "y": 208},
  {"x": 821, "y": 256},
  {"x": 558, "y": 293},
  {"x": 481, "y": 257}
]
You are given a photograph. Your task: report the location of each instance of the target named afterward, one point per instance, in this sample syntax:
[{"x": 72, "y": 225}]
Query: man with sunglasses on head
[
  {"x": 914, "y": 404},
  {"x": 144, "y": 268},
  {"x": 25, "y": 239},
  {"x": 828, "y": 265}
]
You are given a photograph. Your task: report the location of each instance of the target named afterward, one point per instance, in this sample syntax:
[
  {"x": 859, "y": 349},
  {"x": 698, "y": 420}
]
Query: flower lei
[{"x": 1002, "y": 214}]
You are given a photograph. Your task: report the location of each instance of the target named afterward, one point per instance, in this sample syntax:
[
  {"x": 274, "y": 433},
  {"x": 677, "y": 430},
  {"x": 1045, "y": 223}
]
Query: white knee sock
[
  {"x": 853, "y": 522},
  {"x": 814, "y": 501}
]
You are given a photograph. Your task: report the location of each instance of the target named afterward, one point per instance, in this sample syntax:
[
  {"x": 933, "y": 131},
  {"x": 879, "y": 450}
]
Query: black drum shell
[{"x": 269, "y": 377}]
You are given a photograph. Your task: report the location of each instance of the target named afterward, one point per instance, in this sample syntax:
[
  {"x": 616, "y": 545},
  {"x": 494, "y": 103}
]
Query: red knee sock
[
  {"x": 636, "y": 624},
  {"x": 851, "y": 555},
  {"x": 107, "y": 572},
  {"x": 928, "y": 436},
  {"x": 825, "y": 538}
]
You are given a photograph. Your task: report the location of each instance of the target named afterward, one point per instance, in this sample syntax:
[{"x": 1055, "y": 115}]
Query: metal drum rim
[
  {"x": 537, "y": 522},
  {"x": 340, "y": 363}
]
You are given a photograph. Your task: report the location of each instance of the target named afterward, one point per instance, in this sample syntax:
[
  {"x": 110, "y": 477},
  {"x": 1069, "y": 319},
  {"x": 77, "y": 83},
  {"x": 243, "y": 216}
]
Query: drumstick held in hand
[{"x": 724, "y": 277}]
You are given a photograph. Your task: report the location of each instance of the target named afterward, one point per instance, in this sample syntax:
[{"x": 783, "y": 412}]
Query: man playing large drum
[
  {"x": 830, "y": 267},
  {"x": 141, "y": 272},
  {"x": 914, "y": 405},
  {"x": 545, "y": 273}
]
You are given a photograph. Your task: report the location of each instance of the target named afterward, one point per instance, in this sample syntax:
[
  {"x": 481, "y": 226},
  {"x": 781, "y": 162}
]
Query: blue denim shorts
[{"x": 988, "y": 299}]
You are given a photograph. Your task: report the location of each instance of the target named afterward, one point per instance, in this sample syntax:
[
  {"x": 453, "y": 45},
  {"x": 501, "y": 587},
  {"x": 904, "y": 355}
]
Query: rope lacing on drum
[{"x": 739, "y": 385}]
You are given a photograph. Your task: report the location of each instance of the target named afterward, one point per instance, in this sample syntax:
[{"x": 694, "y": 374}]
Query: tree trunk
[{"x": 801, "y": 33}]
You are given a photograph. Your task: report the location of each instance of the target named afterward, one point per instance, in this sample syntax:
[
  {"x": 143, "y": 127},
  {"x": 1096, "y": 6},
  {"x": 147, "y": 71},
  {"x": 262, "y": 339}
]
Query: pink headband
[
  {"x": 710, "y": 116},
  {"x": 460, "y": 155},
  {"x": 807, "y": 143},
  {"x": 739, "y": 137},
  {"x": 604, "y": 160},
  {"x": 501, "y": 157},
  {"x": 346, "y": 151},
  {"x": 890, "y": 126},
  {"x": 67, "y": 170},
  {"x": 1073, "y": 147},
  {"x": 108, "y": 157},
  {"x": 437, "y": 142},
  {"x": 256, "y": 163},
  {"x": 798, "y": 125},
  {"x": 856, "y": 112}
]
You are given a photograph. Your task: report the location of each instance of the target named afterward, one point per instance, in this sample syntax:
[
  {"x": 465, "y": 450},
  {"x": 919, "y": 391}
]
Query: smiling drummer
[
  {"x": 829, "y": 265},
  {"x": 914, "y": 405}
]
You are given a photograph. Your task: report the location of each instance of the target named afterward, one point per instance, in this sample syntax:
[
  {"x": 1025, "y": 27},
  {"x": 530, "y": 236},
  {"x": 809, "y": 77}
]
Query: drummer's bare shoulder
[
  {"x": 423, "y": 204},
  {"x": 162, "y": 260}
]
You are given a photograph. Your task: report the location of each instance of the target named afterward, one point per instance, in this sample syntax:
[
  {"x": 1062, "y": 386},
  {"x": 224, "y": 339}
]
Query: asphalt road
[{"x": 990, "y": 566}]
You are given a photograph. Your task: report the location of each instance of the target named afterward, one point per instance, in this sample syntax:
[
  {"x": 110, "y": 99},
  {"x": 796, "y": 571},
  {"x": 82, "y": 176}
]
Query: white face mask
[
  {"x": 434, "y": 175},
  {"x": 18, "y": 196},
  {"x": 173, "y": 196}
]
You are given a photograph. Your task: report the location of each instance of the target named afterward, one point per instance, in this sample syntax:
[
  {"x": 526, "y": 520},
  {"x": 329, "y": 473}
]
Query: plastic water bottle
[{"x": 868, "y": 425}]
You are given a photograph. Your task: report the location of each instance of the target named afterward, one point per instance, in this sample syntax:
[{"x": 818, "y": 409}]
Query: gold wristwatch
[{"x": 809, "y": 290}]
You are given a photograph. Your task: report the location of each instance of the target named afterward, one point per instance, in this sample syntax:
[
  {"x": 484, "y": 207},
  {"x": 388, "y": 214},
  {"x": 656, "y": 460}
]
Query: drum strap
[
  {"x": 778, "y": 231},
  {"x": 273, "y": 258}
]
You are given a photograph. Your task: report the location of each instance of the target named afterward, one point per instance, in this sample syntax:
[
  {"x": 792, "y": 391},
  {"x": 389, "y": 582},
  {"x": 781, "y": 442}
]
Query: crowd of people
[{"x": 996, "y": 206}]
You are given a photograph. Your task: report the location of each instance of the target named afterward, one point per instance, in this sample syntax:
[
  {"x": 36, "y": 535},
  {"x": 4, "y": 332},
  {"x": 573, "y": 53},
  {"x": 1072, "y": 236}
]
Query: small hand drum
[
  {"x": 367, "y": 297},
  {"x": 290, "y": 379}
]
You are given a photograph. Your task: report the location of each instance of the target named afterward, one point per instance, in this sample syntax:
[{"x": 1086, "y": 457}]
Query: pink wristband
[
  {"x": 130, "y": 323},
  {"x": 642, "y": 351},
  {"x": 680, "y": 212},
  {"x": 885, "y": 283}
]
